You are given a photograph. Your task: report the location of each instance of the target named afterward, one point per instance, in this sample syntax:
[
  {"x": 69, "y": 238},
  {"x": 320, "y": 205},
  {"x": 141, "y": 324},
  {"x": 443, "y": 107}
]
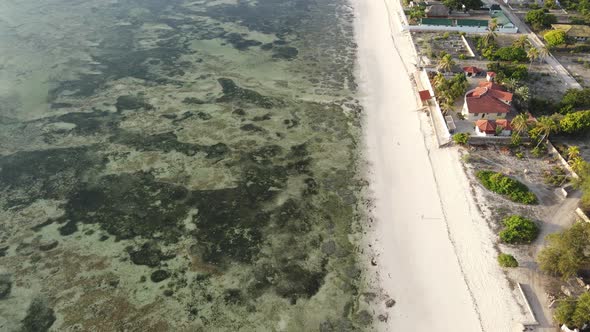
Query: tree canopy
[
  {"x": 555, "y": 38},
  {"x": 576, "y": 122},
  {"x": 539, "y": 19},
  {"x": 574, "y": 312},
  {"x": 566, "y": 252},
  {"x": 458, "y": 4}
]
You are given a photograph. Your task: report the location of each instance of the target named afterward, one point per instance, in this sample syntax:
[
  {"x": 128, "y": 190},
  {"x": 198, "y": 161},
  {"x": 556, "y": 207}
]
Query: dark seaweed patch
[
  {"x": 285, "y": 52},
  {"x": 237, "y": 41},
  {"x": 91, "y": 122},
  {"x": 130, "y": 205},
  {"x": 252, "y": 128},
  {"x": 232, "y": 92},
  {"x": 131, "y": 103},
  {"x": 167, "y": 142},
  {"x": 296, "y": 281},
  {"x": 159, "y": 275},
  {"x": 193, "y": 101},
  {"x": 39, "y": 317},
  {"x": 50, "y": 174}
]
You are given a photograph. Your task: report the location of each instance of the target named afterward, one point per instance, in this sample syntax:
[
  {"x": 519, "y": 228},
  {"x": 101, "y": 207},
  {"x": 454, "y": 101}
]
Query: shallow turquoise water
[{"x": 179, "y": 165}]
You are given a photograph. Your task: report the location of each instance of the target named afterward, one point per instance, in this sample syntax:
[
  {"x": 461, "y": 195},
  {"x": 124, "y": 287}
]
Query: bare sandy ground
[{"x": 435, "y": 252}]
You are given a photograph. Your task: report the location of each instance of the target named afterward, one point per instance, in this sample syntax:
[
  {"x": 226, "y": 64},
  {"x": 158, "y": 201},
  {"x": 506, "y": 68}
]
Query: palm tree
[
  {"x": 439, "y": 81},
  {"x": 522, "y": 42},
  {"x": 510, "y": 83},
  {"x": 543, "y": 53},
  {"x": 522, "y": 94},
  {"x": 493, "y": 25},
  {"x": 446, "y": 63},
  {"x": 572, "y": 153},
  {"x": 532, "y": 54},
  {"x": 520, "y": 123},
  {"x": 545, "y": 126},
  {"x": 446, "y": 106}
]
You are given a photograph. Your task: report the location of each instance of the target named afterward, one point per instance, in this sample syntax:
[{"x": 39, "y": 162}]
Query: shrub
[
  {"x": 539, "y": 19},
  {"x": 576, "y": 122},
  {"x": 510, "y": 53},
  {"x": 501, "y": 184},
  {"x": 555, "y": 38},
  {"x": 461, "y": 138},
  {"x": 566, "y": 252},
  {"x": 518, "y": 229},
  {"x": 575, "y": 313},
  {"x": 507, "y": 260},
  {"x": 539, "y": 151},
  {"x": 555, "y": 177}
]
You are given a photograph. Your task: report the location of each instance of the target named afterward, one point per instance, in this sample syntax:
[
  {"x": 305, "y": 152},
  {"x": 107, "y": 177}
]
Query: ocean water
[{"x": 178, "y": 165}]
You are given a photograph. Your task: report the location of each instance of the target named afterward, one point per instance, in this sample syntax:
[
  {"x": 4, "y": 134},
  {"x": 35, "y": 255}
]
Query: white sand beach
[{"x": 435, "y": 251}]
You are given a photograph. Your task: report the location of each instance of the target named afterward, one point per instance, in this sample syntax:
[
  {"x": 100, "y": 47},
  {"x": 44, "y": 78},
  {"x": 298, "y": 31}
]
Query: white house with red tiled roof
[
  {"x": 487, "y": 101},
  {"x": 500, "y": 127}
]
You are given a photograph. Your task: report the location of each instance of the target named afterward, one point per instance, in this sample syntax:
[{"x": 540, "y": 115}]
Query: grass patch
[
  {"x": 504, "y": 185},
  {"x": 507, "y": 260}
]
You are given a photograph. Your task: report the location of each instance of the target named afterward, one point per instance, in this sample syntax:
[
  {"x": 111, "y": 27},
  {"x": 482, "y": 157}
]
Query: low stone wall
[
  {"x": 582, "y": 215},
  {"x": 438, "y": 121},
  {"x": 467, "y": 46},
  {"x": 466, "y": 29},
  {"x": 496, "y": 140},
  {"x": 551, "y": 149}
]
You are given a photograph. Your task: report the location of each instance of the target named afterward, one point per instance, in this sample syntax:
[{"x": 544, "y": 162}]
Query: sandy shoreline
[{"x": 435, "y": 251}]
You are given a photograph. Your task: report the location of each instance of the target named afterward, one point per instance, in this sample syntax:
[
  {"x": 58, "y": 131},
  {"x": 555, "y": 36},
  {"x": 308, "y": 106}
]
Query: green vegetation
[
  {"x": 449, "y": 90},
  {"x": 518, "y": 229},
  {"x": 539, "y": 19},
  {"x": 461, "y": 138},
  {"x": 566, "y": 252},
  {"x": 575, "y": 313},
  {"x": 501, "y": 184},
  {"x": 510, "y": 53},
  {"x": 506, "y": 71},
  {"x": 445, "y": 63},
  {"x": 458, "y": 4},
  {"x": 507, "y": 260},
  {"x": 417, "y": 12},
  {"x": 555, "y": 177},
  {"x": 555, "y": 38},
  {"x": 574, "y": 99},
  {"x": 574, "y": 123}
]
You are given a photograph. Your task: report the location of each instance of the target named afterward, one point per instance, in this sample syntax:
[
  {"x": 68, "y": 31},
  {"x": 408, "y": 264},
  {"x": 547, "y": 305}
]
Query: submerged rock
[
  {"x": 232, "y": 92},
  {"x": 150, "y": 255},
  {"x": 39, "y": 317},
  {"x": 5, "y": 286},
  {"x": 160, "y": 275}
]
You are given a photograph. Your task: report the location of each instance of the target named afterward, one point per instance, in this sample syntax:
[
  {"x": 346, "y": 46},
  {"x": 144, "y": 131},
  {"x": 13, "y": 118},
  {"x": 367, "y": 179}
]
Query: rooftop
[
  {"x": 488, "y": 98},
  {"x": 486, "y": 126},
  {"x": 573, "y": 30},
  {"x": 472, "y": 70}
]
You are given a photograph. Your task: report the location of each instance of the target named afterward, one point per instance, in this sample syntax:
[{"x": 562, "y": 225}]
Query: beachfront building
[
  {"x": 577, "y": 32},
  {"x": 499, "y": 127},
  {"x": 504, "y": 25},
  {"x": 487, "y": 101},
  {"x": 472, "y": 71},
  {"x": 490, "y": 76},
  {"x": 437, "y": 10}
]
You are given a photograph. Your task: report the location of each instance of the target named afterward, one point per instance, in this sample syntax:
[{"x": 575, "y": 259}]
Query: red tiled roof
[
  {"x": 486, "y": 104},
  {"x": 504, "y": 124},
  {"x": 486, "y": 126},
  {"x": 488, "y": 97},
  {"x": 471, "y": 70},
  {"x": 424, "y": 95}
]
